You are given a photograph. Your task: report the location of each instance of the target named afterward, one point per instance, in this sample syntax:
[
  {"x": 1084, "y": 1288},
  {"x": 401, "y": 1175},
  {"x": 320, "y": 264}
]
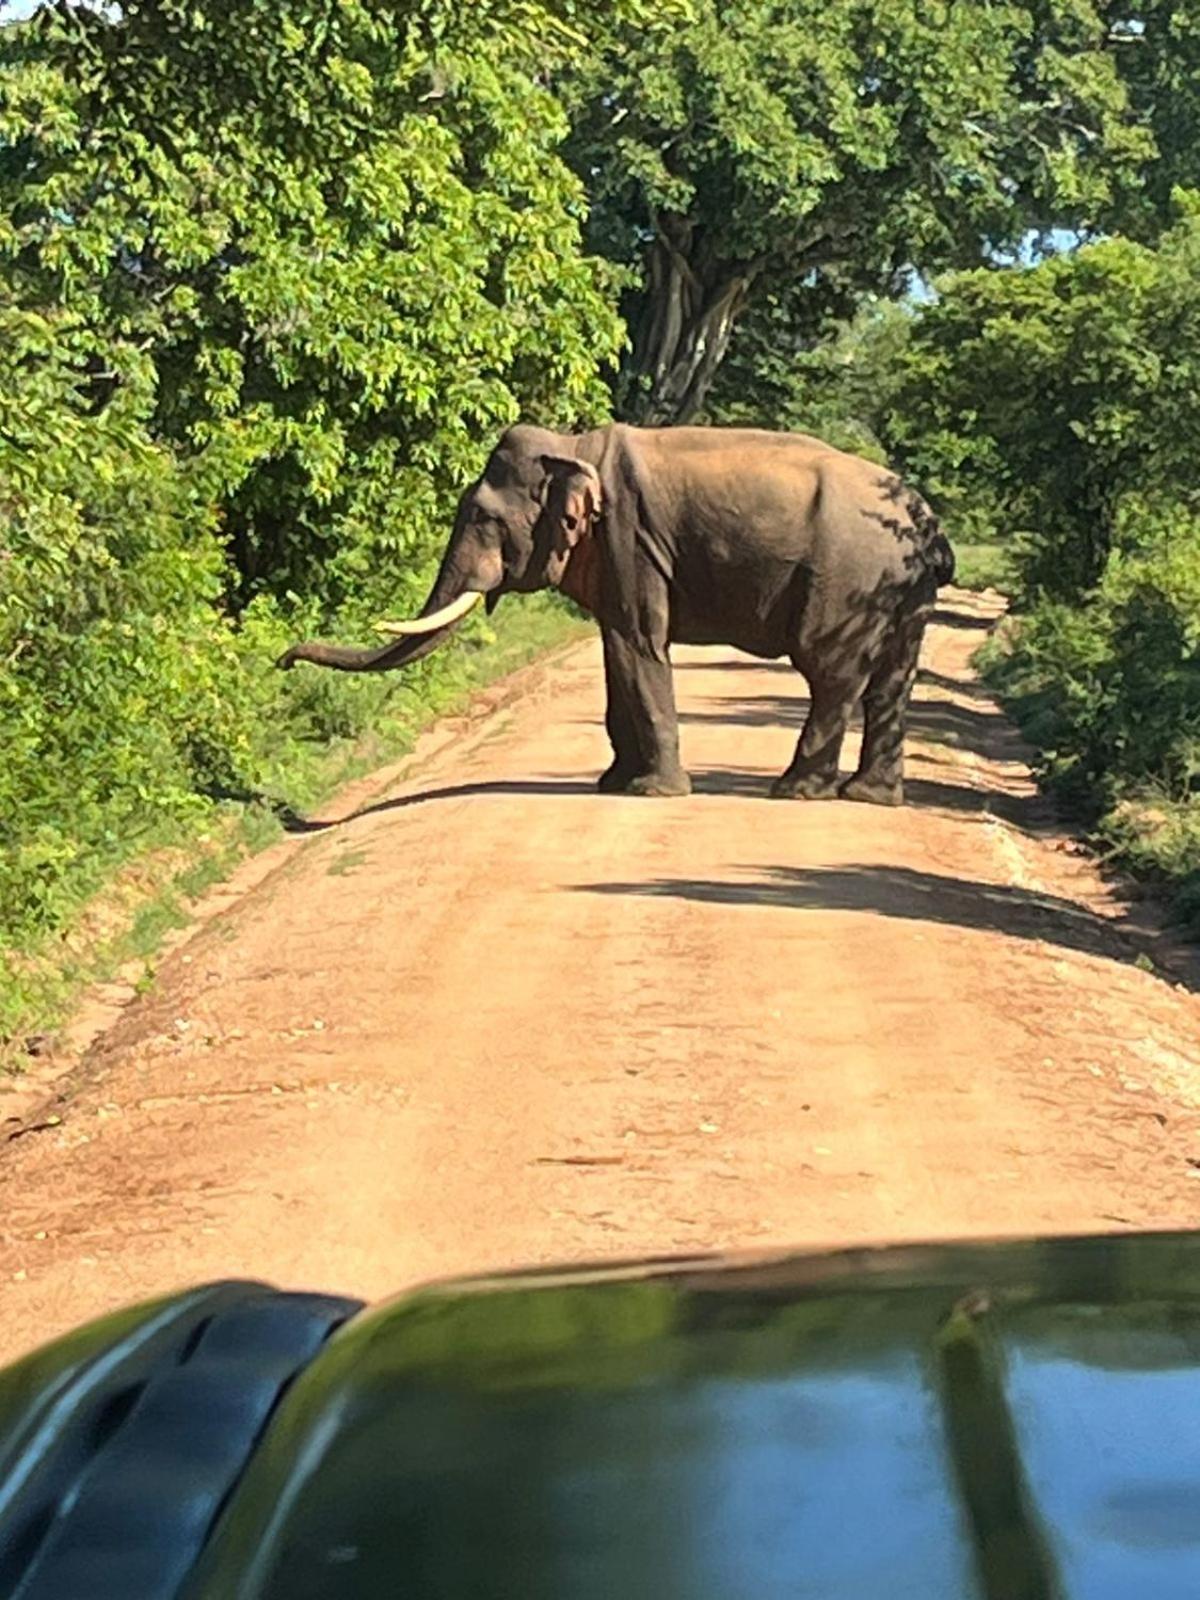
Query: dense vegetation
[
  {"x": 271, "y": 277},
  {"x": 768, "y": 162},
  {"x": 1082, "y": 457},
  {"x": 273, "y": 273}
]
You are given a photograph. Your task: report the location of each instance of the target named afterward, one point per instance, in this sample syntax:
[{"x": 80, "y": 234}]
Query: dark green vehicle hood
[{"x": 1012, "y": 1420}]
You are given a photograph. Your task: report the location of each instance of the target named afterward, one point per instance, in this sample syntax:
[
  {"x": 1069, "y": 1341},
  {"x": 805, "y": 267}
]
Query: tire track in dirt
[{"x": 487, "y": 1017}]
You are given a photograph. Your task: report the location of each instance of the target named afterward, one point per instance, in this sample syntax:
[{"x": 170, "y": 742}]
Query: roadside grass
[
  {"x": 1158, "y": 839},
  {"x": 142, "y": 900},
  {"x": 981, "y": 566}
]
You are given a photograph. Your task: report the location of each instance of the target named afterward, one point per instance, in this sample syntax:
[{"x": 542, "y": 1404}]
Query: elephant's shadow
[
  {"x": 981, "y": 729},
  {"x": 707, "y": 782},
  {"x": 293, "y": 823}
]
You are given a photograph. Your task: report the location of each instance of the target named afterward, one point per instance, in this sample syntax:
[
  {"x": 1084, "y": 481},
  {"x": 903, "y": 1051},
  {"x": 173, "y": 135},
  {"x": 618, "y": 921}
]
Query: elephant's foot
[
  {"x": 617, "y": 779},
  {"x": 660, "y": 783},
  {"x": 873, "y": 791},
  {"x": 817, "y": 786}
]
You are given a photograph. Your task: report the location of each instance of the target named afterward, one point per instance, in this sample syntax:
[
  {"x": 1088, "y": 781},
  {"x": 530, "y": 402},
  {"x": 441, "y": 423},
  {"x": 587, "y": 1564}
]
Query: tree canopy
[
  {"x": 341, "y": 232},
  {"x": 1052, "y": 410},
  {"x": 1156, "y": 44},
  {"x": 787, "y": 154}
]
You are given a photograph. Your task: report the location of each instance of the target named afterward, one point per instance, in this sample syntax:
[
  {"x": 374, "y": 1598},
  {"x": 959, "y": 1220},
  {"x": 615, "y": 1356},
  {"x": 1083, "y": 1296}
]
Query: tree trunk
[{"x": 683, "y": 334}]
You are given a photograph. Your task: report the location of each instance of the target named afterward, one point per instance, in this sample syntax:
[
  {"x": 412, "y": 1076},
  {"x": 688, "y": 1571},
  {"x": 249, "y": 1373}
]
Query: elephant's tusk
[{"x": 454, "y": 612}]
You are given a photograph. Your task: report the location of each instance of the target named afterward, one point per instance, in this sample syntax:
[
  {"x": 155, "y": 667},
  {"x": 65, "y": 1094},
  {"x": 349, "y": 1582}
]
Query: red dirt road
[{"x": 491, "y": 1018}]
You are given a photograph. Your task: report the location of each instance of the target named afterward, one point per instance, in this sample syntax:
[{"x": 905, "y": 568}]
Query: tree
[
  {"x": 341, "y": 233},
  {"x": 272, "y": 275},
  {"x": 1061, "y": 398},
  {"x": 804, "y": 155},
  {"x": 111, "y": 647},
  {"x": 1156, "y": 45}
]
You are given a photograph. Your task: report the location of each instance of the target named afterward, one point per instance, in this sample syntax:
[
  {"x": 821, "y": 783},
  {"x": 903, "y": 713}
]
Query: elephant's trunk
[
  {"x": 343, "y": 658},
  {"x": 445, "y": 609}
]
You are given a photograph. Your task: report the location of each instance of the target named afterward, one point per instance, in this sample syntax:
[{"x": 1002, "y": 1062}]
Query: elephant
[{"x": 775, "y": 543}]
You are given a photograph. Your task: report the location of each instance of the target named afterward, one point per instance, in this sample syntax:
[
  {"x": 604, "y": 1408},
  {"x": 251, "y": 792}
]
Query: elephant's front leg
[
  {"x": 619, "y": 721},
  {"x": 641, "y": 721}
]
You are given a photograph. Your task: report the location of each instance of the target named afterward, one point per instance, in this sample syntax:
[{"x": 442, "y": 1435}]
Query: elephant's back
[{"x": 869, "y": 517}]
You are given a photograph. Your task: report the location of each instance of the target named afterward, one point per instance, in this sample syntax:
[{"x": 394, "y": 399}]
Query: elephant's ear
[{"x": 572, "y": 497}]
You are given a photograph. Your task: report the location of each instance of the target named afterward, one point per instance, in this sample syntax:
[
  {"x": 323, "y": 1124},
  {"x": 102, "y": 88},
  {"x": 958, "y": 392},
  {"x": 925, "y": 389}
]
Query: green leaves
[
  {"x": 1049, "y": 396},
  {"x": 320, "y": 222},
  {"x": 804, "y": 154},
  {"x": 272, "y": 277},
  {"x": 1054, "y": 410}
]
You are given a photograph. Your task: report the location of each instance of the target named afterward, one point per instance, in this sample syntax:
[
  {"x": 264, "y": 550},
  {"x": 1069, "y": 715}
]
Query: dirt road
[{"x": 492, "y": 1018}]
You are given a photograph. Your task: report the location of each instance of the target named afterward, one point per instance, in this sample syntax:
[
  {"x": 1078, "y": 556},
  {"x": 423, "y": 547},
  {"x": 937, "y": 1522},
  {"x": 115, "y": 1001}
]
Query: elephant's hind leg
[
  {"x": 813, "y": 773},
  {"x": 880, "y": 776}
]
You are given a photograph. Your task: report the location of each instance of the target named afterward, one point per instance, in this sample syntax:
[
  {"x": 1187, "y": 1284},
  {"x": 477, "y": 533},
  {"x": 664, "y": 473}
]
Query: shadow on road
[
  {"x": 1032, "y": 813},
  {"x": 737, "y": 664},
  {"x": 925, "y": 792},
  {"x": 706, "y": 781},
  {"x": 927, "y": 677},
  {"x": 454, "y": 791},
  {"x": 904, "y": 893},
  {"x": 962, "y": 727},
  {"x": 963, "y": 619}
]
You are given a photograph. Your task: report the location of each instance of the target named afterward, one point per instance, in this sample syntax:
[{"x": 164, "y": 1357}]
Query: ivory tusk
[{"x": 454, "y": 612}]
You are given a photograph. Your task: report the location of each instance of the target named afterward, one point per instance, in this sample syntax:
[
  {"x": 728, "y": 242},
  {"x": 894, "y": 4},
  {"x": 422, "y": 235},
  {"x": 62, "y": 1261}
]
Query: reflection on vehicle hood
[{"x": 1014, "y": 1419}]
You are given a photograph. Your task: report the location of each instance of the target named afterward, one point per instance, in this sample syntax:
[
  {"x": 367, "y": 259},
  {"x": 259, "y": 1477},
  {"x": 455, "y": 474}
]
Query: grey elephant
[{"x": 774, "y": 543}]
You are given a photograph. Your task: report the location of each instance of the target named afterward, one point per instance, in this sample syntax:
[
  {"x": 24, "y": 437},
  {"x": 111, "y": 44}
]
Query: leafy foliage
[
  {"x": 795, "y": 156},
  {"x": 1047, "y": 397},
  {"x": 839, "y": 388},
  {"x": 1156, "y": 44},
  {"x": 351, "y": 251},
  {"x": 1051, "y": 414},
  {"x": 1057, "y": 405},
  {"x": 110, "y": 643},
  {"x": 1109, "y": 691},
  {"x": 272, "y": 276}
]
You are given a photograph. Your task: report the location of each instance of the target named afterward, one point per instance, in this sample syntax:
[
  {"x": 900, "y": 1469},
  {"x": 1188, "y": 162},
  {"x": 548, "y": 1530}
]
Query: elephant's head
[{"x": 516, "y": 530}]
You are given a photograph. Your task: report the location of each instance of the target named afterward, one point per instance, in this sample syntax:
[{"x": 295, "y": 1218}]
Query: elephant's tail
[
  {"x": 940, "y": 555},
  {"x": 932, "y": 546}
]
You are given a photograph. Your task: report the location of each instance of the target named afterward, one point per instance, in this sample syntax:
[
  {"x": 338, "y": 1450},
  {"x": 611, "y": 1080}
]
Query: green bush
[
  {"x": 114, "y": 697},
  {"x": 1109, "y": 691},
  {"x": 982, "y": 565},
  {"x": 1112, "y": 689},
  {"x": 271, "y": 283}
]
